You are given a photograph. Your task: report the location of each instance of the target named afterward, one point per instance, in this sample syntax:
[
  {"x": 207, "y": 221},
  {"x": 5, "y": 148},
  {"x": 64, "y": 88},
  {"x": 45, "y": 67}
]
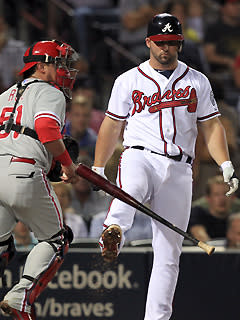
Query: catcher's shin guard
[
  {"x": 61, "y": 248},
  {"x": 6, "y": 256}
]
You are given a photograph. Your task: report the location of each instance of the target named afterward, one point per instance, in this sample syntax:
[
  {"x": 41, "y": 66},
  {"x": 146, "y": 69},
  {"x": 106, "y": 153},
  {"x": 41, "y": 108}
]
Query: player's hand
[
  {"x": 69, "y": 174},
  {"x": 100, "y": 171},
  {"x": 230, "y": 177}
]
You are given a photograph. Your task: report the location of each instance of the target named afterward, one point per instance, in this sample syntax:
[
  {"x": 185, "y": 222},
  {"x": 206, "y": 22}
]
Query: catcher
[{"x": 32, "y": 116}]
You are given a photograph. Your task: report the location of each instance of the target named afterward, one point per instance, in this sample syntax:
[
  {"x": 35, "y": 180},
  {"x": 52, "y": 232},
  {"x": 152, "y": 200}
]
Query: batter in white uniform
[
  {"x": 161, "y": 102},
  {"x": 32, "y": 115}
]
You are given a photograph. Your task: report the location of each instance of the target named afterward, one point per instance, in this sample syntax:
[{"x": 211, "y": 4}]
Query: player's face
[
  {"x": 163, "y": 54},
  {"x": 51, "y": 72}
]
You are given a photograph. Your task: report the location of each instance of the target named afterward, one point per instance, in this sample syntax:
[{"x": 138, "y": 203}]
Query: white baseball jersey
[
  {"x": 39, "y": 100},
  {"x": 162, "y": 113}
]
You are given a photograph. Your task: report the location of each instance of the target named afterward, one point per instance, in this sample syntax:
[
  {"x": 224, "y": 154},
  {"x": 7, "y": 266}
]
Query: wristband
[
  {"x": 64, "y": 158},
  {"x": 99, "y": 170},
  {"x": 226, "y": 164}
]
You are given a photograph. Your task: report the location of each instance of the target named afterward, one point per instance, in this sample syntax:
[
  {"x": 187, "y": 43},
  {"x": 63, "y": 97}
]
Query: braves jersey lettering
[{"x": 155, "y": 101}]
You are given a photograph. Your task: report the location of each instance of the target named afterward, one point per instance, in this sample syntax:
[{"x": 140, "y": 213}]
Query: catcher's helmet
[
  {"x": 56, "y": 52},
  {"x": 164, "y": 27}
]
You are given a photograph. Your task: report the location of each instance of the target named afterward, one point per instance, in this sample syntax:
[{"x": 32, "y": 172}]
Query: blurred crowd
[{"x": 109, "y": 36}]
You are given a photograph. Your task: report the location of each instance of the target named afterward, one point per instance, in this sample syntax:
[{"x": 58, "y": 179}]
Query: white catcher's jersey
[
  {"x": 39, "y": 100},
  {"x": 161, "y": 114}
]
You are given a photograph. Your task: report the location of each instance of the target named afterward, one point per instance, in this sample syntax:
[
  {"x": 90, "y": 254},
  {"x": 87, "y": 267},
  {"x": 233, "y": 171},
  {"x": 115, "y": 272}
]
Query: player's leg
[
  {"x": 7, "y": 247},
  {"x": 44, "y": 217},
  {"x": 133, "y": 177},
  {"x": 172, "y": 200},
  {"x": 7, "y": 219}
]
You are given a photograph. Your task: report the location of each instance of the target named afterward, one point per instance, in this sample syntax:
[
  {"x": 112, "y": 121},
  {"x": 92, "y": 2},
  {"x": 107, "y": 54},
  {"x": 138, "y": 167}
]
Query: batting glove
[
  {"x": 100, "y": 171},
  {"x": 229, "y": 177}
]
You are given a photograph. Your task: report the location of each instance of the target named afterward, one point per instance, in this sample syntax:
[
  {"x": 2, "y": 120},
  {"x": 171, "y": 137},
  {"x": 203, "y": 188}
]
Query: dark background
[{"x": 86, "y": 288}]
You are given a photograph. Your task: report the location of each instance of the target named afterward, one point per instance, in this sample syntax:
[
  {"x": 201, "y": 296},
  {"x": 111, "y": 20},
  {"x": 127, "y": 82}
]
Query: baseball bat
[{"x": 116, "y": 192}]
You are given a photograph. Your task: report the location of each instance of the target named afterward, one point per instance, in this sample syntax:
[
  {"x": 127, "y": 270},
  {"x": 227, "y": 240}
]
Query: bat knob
[{"x": 206, "y": 247}]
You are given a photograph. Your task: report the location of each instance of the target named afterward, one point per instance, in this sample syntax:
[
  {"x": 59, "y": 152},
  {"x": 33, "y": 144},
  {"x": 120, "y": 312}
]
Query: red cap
[
  {"x": 27, "y": 66},
  {"x": 42, "y": 51}
]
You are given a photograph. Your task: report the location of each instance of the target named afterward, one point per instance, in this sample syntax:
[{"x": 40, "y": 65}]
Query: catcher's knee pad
[
  {"x": 6, "y": 256},
  {"x": 60, "y": 247}
]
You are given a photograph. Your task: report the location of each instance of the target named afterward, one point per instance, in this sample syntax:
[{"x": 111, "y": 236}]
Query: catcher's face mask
[
  {"x": 66, "y": 73},
  {"x": 59, "y": 53}
]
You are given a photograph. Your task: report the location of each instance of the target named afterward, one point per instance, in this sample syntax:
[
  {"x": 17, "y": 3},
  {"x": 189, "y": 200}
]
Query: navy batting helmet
[{"x": 165, "y": 27}]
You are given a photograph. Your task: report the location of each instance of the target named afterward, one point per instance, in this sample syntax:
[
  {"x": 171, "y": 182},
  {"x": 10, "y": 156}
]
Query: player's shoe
[
  {"x": 110, "y": 241},
  {"x": 16, "y": 314}
]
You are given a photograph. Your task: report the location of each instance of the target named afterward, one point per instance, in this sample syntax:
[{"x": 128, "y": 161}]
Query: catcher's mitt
[{"x": 73, "y": 150}]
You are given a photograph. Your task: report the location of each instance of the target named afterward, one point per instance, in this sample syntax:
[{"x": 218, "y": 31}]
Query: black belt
[{"x": 176, "y": 158}]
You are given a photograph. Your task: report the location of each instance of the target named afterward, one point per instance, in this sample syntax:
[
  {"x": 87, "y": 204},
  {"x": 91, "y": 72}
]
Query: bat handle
[{"x": 207, "y": 248}]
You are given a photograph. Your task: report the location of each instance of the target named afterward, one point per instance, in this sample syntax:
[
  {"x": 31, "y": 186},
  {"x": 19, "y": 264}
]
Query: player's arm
[
  {"x": 215, "y": 138},
  {"x": 49, "y": 134},
  {"x": 106, "y": 142},
  {"x": 59, "y": 152},
  {"x": 199, "y": 232}
]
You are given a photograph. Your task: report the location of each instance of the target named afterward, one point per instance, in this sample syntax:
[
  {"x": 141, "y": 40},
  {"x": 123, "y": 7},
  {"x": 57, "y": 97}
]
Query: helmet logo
[{"x": 167, "y": 27}]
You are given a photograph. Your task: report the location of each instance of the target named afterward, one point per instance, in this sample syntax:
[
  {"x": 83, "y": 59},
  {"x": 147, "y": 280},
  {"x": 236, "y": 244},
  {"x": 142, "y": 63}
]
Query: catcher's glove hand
[{"x": 73, "y": 150}]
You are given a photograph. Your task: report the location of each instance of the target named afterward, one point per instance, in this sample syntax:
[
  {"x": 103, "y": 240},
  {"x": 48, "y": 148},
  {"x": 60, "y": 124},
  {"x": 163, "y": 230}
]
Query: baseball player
[
  {"x": 32, "y": 115},
  {"x": 161, "y": 101}
]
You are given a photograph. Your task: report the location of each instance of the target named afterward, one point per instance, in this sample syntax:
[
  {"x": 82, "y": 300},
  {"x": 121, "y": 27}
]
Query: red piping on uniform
[
  {"x": 119, "y": 170},
  {"x": 161, "y": 132},
  {"x": 47, "y": 115},
  {"x": 173, "y": 110},
  {"x": 160, "y": 112},
  {"x": 25, "y": 160},
  {"x": 208, "y": 116},
  {"x": 115, "y": 115},
  {"x": 174, "y": 126},
  {"x": 107, "y": 213},
  {"x": 179, "y": 78},
  {"x": 54, "y": 203},
  {"x": 25, "y": 298}
]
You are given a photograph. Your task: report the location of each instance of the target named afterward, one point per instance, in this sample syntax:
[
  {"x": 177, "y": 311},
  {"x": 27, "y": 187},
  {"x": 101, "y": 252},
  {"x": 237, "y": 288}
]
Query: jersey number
[{"x": 5, "y": 116}]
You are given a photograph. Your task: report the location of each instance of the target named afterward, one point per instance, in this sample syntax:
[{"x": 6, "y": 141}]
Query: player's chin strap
[
  {"x": 9, "y": 125},
  {"x": 61, "y": 248}
]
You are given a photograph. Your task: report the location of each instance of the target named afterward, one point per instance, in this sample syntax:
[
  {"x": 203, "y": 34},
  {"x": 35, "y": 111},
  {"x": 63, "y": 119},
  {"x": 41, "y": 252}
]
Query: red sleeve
[{"x": 47, "y": 129}]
